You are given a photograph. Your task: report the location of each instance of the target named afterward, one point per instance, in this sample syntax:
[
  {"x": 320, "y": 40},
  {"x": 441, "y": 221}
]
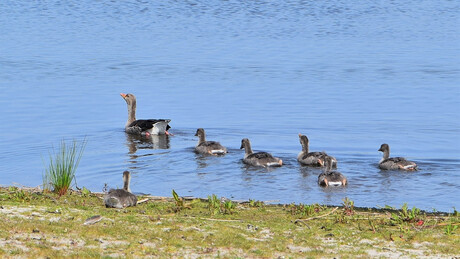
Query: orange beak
[{"x": 123, "y": 95}]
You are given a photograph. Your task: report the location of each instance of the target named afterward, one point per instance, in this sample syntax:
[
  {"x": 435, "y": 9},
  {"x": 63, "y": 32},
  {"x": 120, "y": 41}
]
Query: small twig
[
  {"x": 223, "y": 220},
  {"x": 300, "y": 221},
  {"x": 330, "y": 212},
  {"x": 92, "y": 220},
  {"x": 143, "y": 200},
  {"x": 441, "y": 224}
]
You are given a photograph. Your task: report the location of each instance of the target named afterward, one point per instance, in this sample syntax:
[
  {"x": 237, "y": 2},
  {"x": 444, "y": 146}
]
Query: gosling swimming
[
  {"x": 394, "y": 163},
  {"x": 331, "y": 178},
  {"x": 208, "y": 147},
  {"x": 260, "y": 158},
  {"x": 312, "y": 158}
]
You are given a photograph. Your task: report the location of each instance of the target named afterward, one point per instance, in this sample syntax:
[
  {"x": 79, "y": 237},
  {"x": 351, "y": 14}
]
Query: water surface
[{"x": 349, "y": 75}]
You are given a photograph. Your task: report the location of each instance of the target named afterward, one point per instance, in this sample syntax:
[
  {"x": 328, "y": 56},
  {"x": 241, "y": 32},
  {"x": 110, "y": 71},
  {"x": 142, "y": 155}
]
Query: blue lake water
[{"x": 350, "y": 75}]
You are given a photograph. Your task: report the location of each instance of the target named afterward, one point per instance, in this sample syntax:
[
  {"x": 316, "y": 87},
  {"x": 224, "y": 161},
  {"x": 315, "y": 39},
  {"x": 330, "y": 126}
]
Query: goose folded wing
[
  {"x": 396, "y": 159},
  {"x": 147, "y": 124},
  {"x": 261, "y": 155},
  {"x": 314, "y": 154}
]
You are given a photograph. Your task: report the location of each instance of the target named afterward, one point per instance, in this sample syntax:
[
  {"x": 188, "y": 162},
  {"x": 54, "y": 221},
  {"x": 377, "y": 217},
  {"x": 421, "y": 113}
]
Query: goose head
[
  {"x": 199, "y": 132},
  {"x": 384, "y": 148},
  {"x": 245, "y": 143},
  {"x": 304, "y": 142},
  {"x": 130, "y": 99},
  {"x": 328, "y": 163}
]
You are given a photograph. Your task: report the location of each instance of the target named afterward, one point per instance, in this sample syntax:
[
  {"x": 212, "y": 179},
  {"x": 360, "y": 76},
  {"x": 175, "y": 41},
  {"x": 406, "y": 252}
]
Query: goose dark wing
[
  {"x": 147, "y": 124},
  {"x": 260, "y": 155}
]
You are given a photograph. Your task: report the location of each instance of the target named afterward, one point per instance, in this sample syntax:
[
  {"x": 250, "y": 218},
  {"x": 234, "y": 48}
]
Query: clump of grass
[
  {"x": 449, "y": 230},
  {"x": 213, "y": 204},
  {"x": 255, "y": 203},
  {"x": 228, "y": 207},
  {"x": 348, "y": 206},
  {"x": 406, "y": 215},
  {"x": 304, "y": 209},
  {"x": 180, "y": 203},
  {"x": 62, "y": 166}
]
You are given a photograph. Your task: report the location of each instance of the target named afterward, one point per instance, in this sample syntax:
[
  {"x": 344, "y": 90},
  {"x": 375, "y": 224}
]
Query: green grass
[
  {"x": 62, "y": 166},
  {"x": 37, "y": 224}
]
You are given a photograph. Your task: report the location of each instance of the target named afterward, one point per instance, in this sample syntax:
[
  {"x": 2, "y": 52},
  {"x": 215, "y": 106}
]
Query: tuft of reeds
[{"x": 62, "y": 166}]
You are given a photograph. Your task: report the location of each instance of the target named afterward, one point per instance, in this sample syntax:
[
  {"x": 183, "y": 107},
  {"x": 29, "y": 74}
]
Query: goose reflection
[{"x": 135, "y": 142}]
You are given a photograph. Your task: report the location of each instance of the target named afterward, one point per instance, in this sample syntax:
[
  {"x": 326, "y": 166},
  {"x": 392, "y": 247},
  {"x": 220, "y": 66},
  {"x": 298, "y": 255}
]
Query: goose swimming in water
[
  {"x": 312, "y": 158},
  {"x": 394, "y": 163},
  {"x": 143, "y": 127},
  {"x": 260, "y": 158},
  {"x": 121, "y": 198},
  {"x": 329, "y": 177},
  {"x": 208, "y": 147}
]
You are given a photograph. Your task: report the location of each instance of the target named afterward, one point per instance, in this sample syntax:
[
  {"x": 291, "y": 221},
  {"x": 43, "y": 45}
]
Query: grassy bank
[{"x": 37, "y": 224}]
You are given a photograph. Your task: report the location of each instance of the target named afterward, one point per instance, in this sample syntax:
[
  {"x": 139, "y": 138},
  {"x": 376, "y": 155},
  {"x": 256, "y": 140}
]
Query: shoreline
[
  {"x": 42, "y": 224},
  {"x": 266, "y": 202}
]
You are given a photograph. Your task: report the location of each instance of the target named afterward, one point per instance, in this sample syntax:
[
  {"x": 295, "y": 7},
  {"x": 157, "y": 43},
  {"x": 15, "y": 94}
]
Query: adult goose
[
  {"x": 121, "y": 198},
  {"x": 260, "y": 158},
  {"x": 394, "y": 163},
  {"x": 329, "y": 177},
  {"x": 312, "y": 158},
  {"x": 208, "y": 147},
  {"x": 143, "y": 127}
]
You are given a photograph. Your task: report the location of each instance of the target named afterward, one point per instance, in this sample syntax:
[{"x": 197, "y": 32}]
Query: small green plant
[
  {"x": 371, "y": 224},
  {"x": 85, "y": 192},
  {"x": 20, "y": 194},
  {"x": 348, "y": 206},
  {"x": 213, "y": 204},
  {"x": 409, "y": 215},
  {"x": 254, "y": 203},
  {"x": 304, "y": 209},
  {"x": 449, "y": 230},
  {"x": 179, "y": 201},
  {"x": 406, "y": 215},
  {"x": 63, "y": 164},
  {"x": 228, "y": 207},
  {"x": 395, "y": 219}
]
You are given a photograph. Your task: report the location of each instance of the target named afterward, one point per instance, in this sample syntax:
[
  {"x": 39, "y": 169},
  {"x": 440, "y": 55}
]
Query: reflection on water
[{"x": 135, "y": 142}]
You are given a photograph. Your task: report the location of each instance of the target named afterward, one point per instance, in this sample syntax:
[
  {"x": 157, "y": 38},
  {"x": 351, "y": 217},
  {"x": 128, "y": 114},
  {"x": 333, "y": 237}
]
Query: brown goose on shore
[
  {"x": 260, "y": 158},
  {"x": 312, "y": 158},
  {"x": 143, "y": 127},
  {"x": 208, "y": 147},
  {"x": 121, "y": 198},
  {"x": 394, "y": 163},
  {"x": 329, "y": 177}
]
